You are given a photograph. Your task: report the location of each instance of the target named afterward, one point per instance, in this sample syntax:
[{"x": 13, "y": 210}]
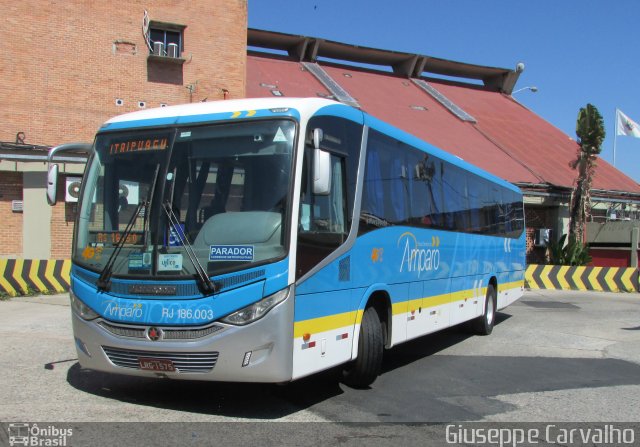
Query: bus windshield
[{"x": 213, "y": 195}]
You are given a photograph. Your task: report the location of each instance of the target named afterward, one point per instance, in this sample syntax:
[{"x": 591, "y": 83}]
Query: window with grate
[{"x": 166, "y": 39}]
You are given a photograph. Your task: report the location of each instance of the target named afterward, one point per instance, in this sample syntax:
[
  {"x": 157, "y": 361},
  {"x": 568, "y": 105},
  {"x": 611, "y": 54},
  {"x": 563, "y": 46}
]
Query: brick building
[{"x": 69, "y": 66}]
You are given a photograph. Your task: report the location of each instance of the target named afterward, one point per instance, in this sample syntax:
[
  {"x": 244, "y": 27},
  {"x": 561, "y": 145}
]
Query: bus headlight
[
  {"x": 81, "y": 309},
  {"x": 257, "y": 310}
]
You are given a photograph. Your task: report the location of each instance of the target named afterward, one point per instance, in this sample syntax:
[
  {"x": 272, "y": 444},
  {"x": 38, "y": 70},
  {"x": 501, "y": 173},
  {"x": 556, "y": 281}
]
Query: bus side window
[
  {"x": 322, "y": 225},
  {"x": 323, "y": 217},
  {"x": 324, "y": 221}
]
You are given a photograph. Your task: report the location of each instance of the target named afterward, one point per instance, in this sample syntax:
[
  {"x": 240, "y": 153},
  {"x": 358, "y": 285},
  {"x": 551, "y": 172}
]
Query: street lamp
[{"x": 533, "y": 89}]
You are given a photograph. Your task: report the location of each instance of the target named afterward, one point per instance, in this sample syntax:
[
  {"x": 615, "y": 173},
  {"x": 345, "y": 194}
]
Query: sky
[{"x": 575, "y": 52}]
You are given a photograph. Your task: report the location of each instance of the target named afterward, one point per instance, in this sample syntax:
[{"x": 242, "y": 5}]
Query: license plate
[{"x": 156, "y": 364}]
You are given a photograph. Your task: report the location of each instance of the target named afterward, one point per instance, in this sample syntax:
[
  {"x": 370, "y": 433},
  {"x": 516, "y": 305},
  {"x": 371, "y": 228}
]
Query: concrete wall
[
  {"x": 36, "y": 230},
  {"x": 564, "y": 277}
]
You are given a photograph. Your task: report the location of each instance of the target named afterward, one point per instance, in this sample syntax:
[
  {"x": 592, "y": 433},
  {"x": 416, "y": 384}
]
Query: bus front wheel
[{"x": 364, "y": 370}]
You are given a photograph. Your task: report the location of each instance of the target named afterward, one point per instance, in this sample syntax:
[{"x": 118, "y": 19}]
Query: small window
[{"x": 166, "y": 39}]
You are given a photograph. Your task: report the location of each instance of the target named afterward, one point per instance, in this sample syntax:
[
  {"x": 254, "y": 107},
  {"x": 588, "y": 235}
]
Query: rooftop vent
[
  {"x": 446, "y": 102},
  {"x": 336, "y": 90}
]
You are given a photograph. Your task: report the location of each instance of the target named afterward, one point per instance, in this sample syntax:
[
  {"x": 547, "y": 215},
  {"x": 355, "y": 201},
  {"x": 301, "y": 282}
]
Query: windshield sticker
[
  {"x": 279, "y": 136},
  {"x": 231, "y": 252},
  {"x": 147, "y": 144},
  {"x": 185, "y": 134},
  {"x": 170, "y": 262},
  {"x": 139, "y": 261},
  {"x": 176, "y": 236},
  {"x": 92, "y": 251}
]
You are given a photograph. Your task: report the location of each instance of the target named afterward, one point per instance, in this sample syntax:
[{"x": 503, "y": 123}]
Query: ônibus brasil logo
[{"x": 419, "y": 256}]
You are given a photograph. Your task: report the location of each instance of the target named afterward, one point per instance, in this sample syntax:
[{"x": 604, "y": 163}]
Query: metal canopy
[{"x": 309, "y": 49}]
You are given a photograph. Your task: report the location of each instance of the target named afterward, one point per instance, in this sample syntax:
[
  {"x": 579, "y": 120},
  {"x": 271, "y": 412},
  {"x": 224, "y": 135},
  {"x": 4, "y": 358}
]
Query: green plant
[
  {"x": 590, "y": 132},
  {"x": 573, "y": 253}
]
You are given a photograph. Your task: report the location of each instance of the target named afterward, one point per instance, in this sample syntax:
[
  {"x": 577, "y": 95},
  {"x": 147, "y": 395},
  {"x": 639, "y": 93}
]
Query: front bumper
[{"x": 219, "y": 355}]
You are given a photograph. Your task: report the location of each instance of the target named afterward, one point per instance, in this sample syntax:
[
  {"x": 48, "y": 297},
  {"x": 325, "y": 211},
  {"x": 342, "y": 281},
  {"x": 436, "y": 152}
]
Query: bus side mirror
[
  {"x": 321, "y": 166},
  {"x": 52, "y": 184},
  {"x": 321, "y": 172}
]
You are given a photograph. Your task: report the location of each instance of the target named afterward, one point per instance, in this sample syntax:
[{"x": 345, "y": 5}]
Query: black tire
[
  {"x": 364, "y": 370},
  {"x": 483, "y": 325}
]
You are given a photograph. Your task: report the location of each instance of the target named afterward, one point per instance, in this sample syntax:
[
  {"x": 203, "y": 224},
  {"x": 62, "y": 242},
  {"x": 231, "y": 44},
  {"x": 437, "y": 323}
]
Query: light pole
[{"x": 532, "y": 89}]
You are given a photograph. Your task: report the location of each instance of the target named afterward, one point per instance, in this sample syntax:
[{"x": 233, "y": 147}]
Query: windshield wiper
[
  {"x": 104, "y": 281},
  {"x": 207, "y": 286}
]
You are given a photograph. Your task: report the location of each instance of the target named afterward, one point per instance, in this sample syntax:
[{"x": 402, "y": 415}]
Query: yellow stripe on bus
[
  {"x": 323, "y": 324},
  {"x": 348, "y": 319}
]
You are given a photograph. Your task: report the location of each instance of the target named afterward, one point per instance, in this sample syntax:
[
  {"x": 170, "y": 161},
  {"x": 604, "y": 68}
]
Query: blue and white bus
[{"x": 264, "y": 240}]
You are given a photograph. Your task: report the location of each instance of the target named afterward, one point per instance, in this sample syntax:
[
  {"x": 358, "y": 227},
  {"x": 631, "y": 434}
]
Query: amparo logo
[
  {"x": 132, "y": 310},
  {"x": 419, "y": 256}
]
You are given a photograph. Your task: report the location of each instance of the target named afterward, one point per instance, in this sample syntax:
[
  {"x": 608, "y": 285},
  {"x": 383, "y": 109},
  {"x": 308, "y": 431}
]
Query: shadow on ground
[{"x": 418, "y": 384}]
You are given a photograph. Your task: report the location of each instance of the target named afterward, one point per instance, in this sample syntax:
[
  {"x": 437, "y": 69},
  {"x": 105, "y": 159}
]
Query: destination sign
[{"x": 139, "y": 145}]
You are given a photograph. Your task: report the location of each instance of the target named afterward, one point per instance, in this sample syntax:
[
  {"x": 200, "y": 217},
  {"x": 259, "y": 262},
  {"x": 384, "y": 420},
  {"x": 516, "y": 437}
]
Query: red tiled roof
[
  {"x": 545, "y": 149},
  {"x": 507, "y": 140}
]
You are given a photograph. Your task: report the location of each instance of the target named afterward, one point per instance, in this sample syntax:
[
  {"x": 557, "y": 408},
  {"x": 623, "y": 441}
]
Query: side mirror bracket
[{"x": 53, "y": 168}]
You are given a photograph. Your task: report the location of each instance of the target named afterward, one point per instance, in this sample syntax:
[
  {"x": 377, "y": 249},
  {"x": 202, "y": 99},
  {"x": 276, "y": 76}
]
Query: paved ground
[{"x": 553, "y": 356}]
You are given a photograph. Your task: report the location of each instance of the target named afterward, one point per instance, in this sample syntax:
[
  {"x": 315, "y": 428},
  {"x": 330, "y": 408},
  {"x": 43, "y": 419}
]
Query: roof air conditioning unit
[
  {"x": 172, "y": 50},
  {"x": 158, "y": 48},
  {"x": 17, "y": 206},
  {"x": 72, "y": 189}
]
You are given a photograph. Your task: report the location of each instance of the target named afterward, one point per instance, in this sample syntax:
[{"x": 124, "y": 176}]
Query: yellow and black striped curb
[
  {"x": 563, "y": 277},
  {"x": 23, "y": 276}
]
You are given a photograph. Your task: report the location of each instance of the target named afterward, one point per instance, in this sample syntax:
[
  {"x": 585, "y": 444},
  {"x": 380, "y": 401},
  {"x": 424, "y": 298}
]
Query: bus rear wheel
[
  {"x": 364, "y": 370},
  {"x": 483, "y": 325}
]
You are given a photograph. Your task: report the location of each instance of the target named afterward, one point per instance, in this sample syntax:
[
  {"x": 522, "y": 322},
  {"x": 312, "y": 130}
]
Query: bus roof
[{"x": 182, "y": 113}]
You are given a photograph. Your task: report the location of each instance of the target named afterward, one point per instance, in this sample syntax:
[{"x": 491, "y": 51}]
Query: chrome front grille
[
  {"x": 123, "y": 331},
  {"x": 189, "y": 334},
  {"x": 195, "y": 362},
  {"x": 168, "y": 333}
]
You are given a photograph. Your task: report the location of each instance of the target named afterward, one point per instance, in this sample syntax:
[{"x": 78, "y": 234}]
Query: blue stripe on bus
[{"x": 342, "y": 111}]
